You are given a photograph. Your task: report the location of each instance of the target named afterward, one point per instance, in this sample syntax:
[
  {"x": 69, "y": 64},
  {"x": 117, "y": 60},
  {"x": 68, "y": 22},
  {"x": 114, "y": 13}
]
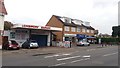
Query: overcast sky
[{"x": 103, "y": 14}]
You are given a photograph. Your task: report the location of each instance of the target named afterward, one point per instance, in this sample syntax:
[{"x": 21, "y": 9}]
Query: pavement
[{"x": 93, "y": 55}]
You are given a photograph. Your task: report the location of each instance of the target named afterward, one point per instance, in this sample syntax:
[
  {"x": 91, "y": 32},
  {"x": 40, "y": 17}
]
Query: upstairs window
[
  {"x": 83, "y": 30},
  {"x": 67, "y": 28},
  {"x": 73, "y": 29},
  {"x": 67, "y": 20},
  {"x": 88, "y": 31},
  {"x": 92, "y": 31},
  {"x": 78, "y": 29}
]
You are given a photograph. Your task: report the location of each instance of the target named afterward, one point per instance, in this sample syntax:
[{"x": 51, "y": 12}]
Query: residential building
[
  {"x": 73, "y": 29},
  {"x": 3, "y": 12}
]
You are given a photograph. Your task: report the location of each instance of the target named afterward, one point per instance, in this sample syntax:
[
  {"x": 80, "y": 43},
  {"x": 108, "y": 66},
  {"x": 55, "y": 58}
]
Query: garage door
[{"x": 41, "y": 39}]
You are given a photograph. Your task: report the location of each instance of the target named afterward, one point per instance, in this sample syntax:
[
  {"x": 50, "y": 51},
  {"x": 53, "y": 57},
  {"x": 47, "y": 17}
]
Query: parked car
[
  {"x": 83, "y": 43},
  {"x": 11, "y": 44},
  {"x": 30, "y": 44}
]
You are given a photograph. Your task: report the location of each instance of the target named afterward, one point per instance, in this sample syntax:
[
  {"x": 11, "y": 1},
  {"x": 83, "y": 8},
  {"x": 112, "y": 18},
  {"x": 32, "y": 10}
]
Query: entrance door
[{"x": 41, "y": 39}]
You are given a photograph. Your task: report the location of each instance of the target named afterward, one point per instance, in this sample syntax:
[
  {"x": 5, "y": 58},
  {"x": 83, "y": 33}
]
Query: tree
[{"x": 7, "y": 25}]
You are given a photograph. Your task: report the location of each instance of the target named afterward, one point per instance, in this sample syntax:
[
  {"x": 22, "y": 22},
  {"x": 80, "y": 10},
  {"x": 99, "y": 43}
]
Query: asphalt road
[{"x": 55, "y": 56}]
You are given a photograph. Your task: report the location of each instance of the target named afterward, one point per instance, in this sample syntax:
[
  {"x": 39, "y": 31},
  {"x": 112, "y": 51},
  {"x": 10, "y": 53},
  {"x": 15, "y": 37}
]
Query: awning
[
  {"x": 80, "y": 36},
  {"x": 90, "y": 37}
]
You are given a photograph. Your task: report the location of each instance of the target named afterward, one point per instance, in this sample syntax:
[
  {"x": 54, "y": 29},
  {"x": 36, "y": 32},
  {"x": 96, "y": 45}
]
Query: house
[
  {"x": 73, "y": 29},
  {"x": 3, "y": 12}
]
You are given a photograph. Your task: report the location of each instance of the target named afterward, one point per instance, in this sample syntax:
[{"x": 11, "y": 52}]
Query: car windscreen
[{"x": 14, "y": 42}]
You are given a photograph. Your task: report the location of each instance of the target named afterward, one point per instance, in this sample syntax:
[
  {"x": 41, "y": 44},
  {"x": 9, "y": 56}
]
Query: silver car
[
  {"x": 30, "y": 44},
  {"x": 83, "y": 43}
]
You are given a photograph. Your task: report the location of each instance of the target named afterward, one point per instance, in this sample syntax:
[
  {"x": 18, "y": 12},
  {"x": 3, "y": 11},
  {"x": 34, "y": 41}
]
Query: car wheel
[
  {"x": 7, "y": 48},
  {"x": 29, "y": 47}
]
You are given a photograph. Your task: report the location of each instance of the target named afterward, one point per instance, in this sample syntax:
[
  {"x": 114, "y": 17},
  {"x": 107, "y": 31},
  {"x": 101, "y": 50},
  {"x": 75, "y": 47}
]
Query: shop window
[
  {"x": 67, "y": 38},
  {"x": 12, "y": 35}
]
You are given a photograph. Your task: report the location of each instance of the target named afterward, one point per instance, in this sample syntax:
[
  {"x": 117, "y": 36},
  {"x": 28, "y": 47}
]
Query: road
[{"x": 75, "y": 56}]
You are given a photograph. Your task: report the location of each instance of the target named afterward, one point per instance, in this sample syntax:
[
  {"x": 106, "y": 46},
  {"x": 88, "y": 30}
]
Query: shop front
[{"x": 42, "y": 34}]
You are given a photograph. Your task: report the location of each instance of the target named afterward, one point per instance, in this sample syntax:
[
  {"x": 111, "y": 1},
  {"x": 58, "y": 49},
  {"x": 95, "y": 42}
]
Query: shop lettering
[
  {"x": 29, "y": 26},
  {"x": 45, "y": 27}
]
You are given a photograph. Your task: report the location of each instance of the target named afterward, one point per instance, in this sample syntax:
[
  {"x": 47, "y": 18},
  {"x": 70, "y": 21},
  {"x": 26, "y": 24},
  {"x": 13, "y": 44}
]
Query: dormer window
[{"x": 67, "y": 20}]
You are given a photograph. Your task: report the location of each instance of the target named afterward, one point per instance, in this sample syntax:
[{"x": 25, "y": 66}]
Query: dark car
[
  {"x": 11, "y": 44},
  {"x": 30, "y": 44}
]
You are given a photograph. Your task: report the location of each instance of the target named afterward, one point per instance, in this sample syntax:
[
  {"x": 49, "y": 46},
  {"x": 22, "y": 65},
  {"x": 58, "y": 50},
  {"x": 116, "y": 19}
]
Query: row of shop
[
  {"x": 42, "y": 34},
  {"x": 77, "y": 37}
]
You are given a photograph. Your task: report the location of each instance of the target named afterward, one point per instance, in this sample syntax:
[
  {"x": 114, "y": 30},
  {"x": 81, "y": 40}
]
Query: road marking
[
  {"x": 59, "y": 64},
  {"x": 91, "y": 49},
  {"x": 68, "y": 58},
  {"x": 56, "y": 55},
  {"x": 71, "y": 62},
  {"x": 87, "y": 56},
  {"x": 79, "y": 60},
  {"x": 110, "y": 54}
]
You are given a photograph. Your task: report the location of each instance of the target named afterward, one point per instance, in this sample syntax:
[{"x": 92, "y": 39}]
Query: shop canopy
[
  {"x": 90, "y": 37},
  {"x": 47, "y": 28},
  {"x": 81, "y": 36}
]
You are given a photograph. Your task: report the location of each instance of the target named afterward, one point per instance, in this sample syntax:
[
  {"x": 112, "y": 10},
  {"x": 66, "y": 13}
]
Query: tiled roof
[
  {"x": 73, "y": 24},
  {"x": 2, "y": 7}
]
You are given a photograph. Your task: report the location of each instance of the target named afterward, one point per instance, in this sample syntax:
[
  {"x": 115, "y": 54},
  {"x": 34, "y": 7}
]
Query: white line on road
[
  {"x": 110, "y": 54},
  {"x": 91, "y": 49},
  {"x": 68, "y": 58},
  {"x": 56, "y": 55},
  {"x": 79, "y": 60},
  {"x": 71, "y": 62},
  {"x": 87, "y": 56}
]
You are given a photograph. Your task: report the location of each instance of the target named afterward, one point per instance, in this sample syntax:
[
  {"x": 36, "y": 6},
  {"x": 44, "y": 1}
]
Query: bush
[{"x": 110, "y": 40}]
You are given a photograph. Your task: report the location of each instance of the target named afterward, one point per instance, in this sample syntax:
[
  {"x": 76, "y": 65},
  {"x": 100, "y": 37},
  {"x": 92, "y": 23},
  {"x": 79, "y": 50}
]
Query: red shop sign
[
  {"x": 29, "y": 26},
  {"x": 45, "y": 27}
]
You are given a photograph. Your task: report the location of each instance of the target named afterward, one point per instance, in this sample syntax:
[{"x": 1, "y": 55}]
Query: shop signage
[
  {"x": 45, "y": 27},
  {"x": 29, "y": 26}
]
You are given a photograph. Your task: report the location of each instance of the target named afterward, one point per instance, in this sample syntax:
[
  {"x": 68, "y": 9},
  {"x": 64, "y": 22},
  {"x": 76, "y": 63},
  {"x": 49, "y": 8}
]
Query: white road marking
[
  {"x": 91, "y": 49},
  {"x": 87, "y": 56},
  {"x": 56, "y": 55},
  {"x": 110, "y": 54},
  {"x": 59, "y": 64},
  {"x": 79, "y": 60},
  {"x": 68, "y": 58}
]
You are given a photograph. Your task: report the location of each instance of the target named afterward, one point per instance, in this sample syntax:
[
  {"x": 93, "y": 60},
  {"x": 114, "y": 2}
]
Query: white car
[
  {"x": 83, "y": 43},
  {"x": 30, "y": 44}
]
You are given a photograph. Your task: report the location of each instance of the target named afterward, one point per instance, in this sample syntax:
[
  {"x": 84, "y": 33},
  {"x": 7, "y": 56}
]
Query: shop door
[{"x": 41, "y": 39}]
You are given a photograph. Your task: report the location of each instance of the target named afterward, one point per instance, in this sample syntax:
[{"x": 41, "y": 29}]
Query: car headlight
[{"x": 10, "y": 46}]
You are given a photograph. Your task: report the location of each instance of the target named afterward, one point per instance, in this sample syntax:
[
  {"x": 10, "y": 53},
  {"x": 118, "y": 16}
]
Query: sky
[{"x": 102, "y": 14}]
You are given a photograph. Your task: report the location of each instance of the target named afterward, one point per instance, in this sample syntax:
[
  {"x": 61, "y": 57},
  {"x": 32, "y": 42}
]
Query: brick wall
[{"x": 54, "y": 22}]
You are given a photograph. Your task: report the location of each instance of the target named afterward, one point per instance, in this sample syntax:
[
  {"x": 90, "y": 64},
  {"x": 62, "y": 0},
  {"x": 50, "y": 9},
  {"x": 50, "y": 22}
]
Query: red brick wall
[{"x": 54, "y": 22}]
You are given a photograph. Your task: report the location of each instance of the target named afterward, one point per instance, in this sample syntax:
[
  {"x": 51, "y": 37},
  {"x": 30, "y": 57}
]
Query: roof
[
  {"x": 66, "y": 24},
  {"x": 73, "y": 24},
  {"x": 2, "y": 8},
  {"x": 88, "y": 27}
]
